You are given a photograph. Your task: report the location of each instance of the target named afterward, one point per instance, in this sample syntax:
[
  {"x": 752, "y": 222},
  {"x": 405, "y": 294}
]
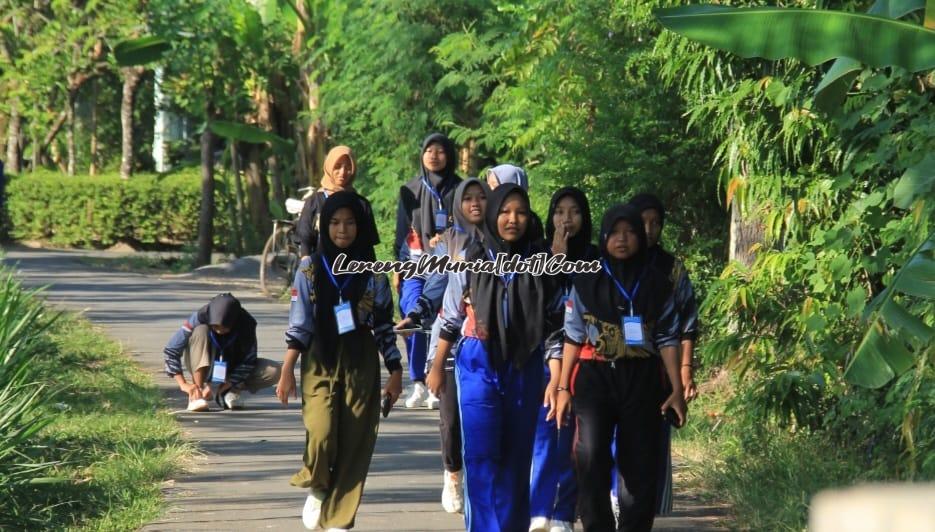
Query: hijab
[
  {"x": 598, "y": 291},
  {"x": 659, "y": 257},
  {"x": 579, "y": 245},
  {"x": 443, "y": 182},
  {"x": 331, "y": 160},
  {"x": 507, "y": 173},
  {"x": 460, "y": 235},
  {"x": 326, "y": 293},
  {"x": 225, "y": 310},
  {"x": 519, "y": 331}
]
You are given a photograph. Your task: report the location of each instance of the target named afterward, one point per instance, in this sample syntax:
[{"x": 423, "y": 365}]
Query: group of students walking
[{"x": 554, "y": 391}]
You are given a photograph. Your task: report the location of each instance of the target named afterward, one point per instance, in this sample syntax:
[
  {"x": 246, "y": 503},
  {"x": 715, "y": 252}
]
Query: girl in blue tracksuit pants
[
  {"x": 423, "y": 211},
  {"x": 502, "y": 323},
  {"x": 553, "y": 489}
]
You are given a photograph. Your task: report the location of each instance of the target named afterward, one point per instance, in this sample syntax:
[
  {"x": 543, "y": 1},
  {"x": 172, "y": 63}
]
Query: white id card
[
  {"x": 219, "y": 372},
  {"x": 441, "y": 219},
  {"x": 633, "y": 330},
  {"x": 344, "y": 317}
]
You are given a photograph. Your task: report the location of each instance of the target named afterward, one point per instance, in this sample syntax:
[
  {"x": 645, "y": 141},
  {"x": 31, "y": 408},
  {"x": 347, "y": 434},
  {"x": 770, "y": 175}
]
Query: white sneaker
[
  {"x": 198, "y": 405},
  {"x": 539, "y": 524},
  {"x": 432, "y": 401},
  {"x": 452, "y": 496},
  {"x": 311, "y": 513},
  {"x": 418, "y": 395},
  {"x": 561, "y": 526},
  {"x": 233, "y": 400}
]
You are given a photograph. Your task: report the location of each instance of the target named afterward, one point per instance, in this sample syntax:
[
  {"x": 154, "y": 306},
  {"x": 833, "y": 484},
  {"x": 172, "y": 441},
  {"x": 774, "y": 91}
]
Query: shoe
[
  {"x": 539, "y": 524},
  {"x": 418, "y": 395},
  {"x": 336, "y": 530},
  {"x": 561, "y": 526},
  {"x": 452, "y": 496},
  {"x": 198, "y": 405},
  {"x": 233, "y": 400},
  {"x": 615, "y": 507},
  {"x": 311, "y": 513},
  {"x": 432, "y": 402}
]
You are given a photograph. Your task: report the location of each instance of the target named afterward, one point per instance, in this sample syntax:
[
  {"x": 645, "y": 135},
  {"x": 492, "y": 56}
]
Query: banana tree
[{"x": 895, "y": 331}]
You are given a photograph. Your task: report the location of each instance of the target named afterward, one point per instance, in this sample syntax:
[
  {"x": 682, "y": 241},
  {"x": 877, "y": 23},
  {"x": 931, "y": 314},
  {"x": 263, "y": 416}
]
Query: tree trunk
[
  {"x": 468, "y": 158},
  {"x": 92, "y": 167},
  {"x": 70, "y": 132},
  {"x": 257, "y": 193},
  {"x": 305, "y": 133},
  {"x": 238, "y": 189},
  {"x": 50, "y": 136},
  {"x": 131, "y": 81},
  {"x": 34, "y": 160},
  {"x": 744, "y": 233},
  {"x": 14, "y": 140},
  {"x": 266, "y": 120},
  {"x": 206, "y": 215}
]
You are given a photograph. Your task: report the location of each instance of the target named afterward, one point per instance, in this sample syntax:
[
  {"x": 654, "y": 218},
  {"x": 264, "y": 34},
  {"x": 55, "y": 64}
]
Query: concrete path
[{"x": 240, "y": 479}]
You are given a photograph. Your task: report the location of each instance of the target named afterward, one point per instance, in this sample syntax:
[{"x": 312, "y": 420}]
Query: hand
[
  {"x": 560, "y": 240},
  {"x": 549, "y": 399},
  {"x": 688, "y": 384},
  {"x": 193, "y": 391},
  {"x": 435, "y": 381},
  {"x": 405, "y": 323},
  {"x": 563, "y": 408},
  {"x": 676, "y": 401},
  {"x": 394, "y": 386},
  {"x": 397, "y": 281},
  {"x": 434, "y": 240},
  {"x": 206, "y": 392},
  {"x": 286, "y": 387}
]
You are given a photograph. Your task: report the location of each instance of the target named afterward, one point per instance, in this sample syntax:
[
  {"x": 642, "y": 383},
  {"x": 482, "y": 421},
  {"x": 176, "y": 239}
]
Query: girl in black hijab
[
  {"x": 338, "y": 322},
  {"x": 424, "y": 210},
  {"x": 552, "y": 479},
  {"x": 502, "y": 322},
  {"x": 620, "y": 326}
]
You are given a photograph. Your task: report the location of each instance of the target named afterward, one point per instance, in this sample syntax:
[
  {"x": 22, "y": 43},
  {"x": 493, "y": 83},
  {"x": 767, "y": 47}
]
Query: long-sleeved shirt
[
  {"x": 240, "y": 357},
  {"x": 374, "y": 310},
  {"x": 584, "y": 329},
  {"x": 685, "y": 304},
  {"x": 433, "y": 291}
]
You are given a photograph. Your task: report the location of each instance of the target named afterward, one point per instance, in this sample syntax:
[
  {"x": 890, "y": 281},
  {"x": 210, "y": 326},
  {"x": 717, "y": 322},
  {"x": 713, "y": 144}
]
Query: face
[
  {"x": 513, "y": 218},
  {"x": 568, "y": 214},
  {"x": 492, "y": 180},
  {"x": 343, "y": 228},
  {"x": 434, "y": 158},
  {"x": 220, "y": 329},
  {"x": 342, "y": 174},
  {"x": 623, "y": 242},
  {"x": 473, "y": 204},
  {"x": 653, "y": 223}
]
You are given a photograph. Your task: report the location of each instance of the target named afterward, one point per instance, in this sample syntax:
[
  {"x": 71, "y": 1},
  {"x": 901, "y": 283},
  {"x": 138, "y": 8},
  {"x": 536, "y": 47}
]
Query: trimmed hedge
[{"x": 102, "y": 210}]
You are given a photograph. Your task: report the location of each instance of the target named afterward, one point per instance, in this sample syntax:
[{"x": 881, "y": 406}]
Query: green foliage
[
  {"x": 103, "y": 210},
  {"x": 811, "y": 35},
  {"x": 140, "y": 51}
]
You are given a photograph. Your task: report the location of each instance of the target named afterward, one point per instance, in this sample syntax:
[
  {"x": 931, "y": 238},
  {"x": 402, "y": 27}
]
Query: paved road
[{"x": 240, "y": 479}]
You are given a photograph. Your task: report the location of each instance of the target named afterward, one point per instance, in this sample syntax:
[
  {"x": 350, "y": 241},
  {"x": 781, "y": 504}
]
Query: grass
[
  {"x": 115, "y": 442},
  {"x": 136, "y": 264},
  {"x": 766, "y": 475}
]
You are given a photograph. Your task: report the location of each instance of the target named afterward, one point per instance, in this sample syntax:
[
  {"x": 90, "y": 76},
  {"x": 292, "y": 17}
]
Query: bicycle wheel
[{"x": 278, "y": 262}]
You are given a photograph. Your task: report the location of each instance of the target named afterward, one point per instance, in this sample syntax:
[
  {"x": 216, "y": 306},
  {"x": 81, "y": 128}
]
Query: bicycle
[{"x": 280, "y": 257}]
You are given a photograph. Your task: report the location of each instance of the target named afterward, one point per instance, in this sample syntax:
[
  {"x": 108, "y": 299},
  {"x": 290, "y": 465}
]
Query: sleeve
[
  {"x": 301, "y": 309},
  {"x": 305, "y": 228},
  {"x": 403, "y": 221},
  {"x": 687, "y": 308},
  {"x": 433, "y": 291},
  {"x": 383, "y": 323},
  {"x": 243, "y": 370},
  {"x": 666, "y": 331},
  {"x": 453, "y": 311},
  {"x": 177, "y": 343},
  {"x": 576, "y": 331}
]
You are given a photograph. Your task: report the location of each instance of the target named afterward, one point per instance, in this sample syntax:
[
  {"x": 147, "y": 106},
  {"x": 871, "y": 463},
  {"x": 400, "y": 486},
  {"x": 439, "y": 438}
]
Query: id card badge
[
  {"x": 344, "y": 317},
  {"x": 219, "y": 371},
  {"x": 441, "y": 219},
  {"x": 633, "y": 330}
]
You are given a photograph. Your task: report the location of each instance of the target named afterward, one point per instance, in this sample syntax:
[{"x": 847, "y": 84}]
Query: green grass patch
[{"x": 114, "y": 441}]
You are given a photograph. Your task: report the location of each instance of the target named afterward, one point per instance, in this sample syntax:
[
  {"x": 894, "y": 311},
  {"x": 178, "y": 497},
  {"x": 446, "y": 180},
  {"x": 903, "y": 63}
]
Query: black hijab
[
  {"x": 226, "y": 310},
  {"x": 579, "y": 245},
  {"x": 598, "y": 292},
  {"x": 326, "y": 293},
  {"x": 658, "y": 256},
  {"x": 443, "y": 182},
  {"x": 521, "y": 331}
]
